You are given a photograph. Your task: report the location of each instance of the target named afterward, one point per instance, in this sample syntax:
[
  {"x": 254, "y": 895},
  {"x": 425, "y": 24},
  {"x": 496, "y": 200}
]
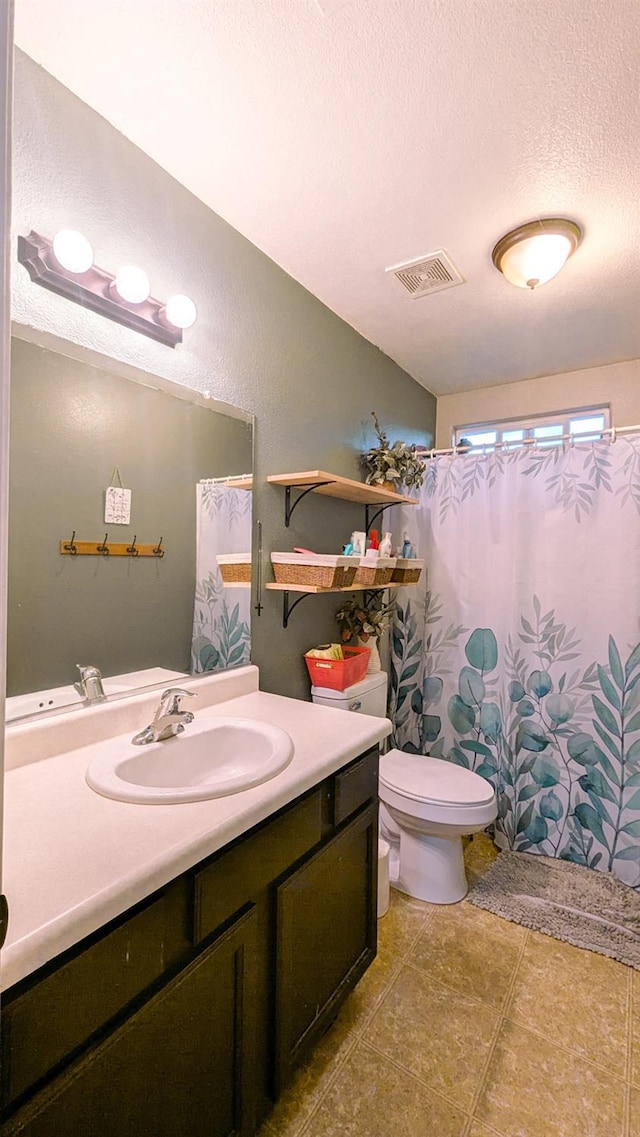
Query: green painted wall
[{"x": 261, "y": 341}]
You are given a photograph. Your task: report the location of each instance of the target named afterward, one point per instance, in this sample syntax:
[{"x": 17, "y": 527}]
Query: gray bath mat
[{"x": 590, "y": 909}]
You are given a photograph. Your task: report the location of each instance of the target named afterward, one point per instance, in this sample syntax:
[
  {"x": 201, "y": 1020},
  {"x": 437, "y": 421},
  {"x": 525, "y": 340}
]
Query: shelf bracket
[
  {"x": 369, "y": 521},
  {"x": 369, "y": 593},
  {"x": 288, "y": 609},
  {"x": 289, "y": 506}
]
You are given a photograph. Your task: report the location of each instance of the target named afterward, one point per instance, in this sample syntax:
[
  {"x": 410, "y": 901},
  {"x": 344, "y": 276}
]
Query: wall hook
[
  {"x": 103, "y": 547},
  {"x": 72, "y": 547},
  {"x": 158, "y": 551},
  {"x": 131, "y": 549}
]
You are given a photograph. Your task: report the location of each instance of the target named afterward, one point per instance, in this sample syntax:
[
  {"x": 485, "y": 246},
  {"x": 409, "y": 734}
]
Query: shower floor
[{"x": 469, "y": 1026}]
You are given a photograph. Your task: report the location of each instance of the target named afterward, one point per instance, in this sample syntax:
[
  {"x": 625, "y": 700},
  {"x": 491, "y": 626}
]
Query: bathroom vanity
[{"x": 237, "y": 928}]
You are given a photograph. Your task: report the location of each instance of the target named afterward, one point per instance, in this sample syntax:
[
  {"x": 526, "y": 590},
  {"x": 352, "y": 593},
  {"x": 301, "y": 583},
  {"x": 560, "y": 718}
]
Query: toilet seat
[{"x": 432, "y": 781}]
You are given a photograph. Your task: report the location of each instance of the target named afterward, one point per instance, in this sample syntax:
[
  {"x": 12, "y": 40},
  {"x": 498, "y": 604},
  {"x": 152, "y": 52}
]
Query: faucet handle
[{"x": 171, "y": 698}]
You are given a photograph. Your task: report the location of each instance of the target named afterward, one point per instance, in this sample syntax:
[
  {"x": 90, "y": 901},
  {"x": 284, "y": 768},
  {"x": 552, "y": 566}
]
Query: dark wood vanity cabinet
[
  {"x": 186, "y": 1016},
  {"x": 326, "y": 929}
]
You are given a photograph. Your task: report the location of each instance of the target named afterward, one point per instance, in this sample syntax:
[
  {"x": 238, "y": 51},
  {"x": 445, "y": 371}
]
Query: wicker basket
[
  {"x": 407, "y": 570},
  {"x": 235, "y": 568},
  {"x": 317, "y": 571},
  {"x": 373, "y": 573}
]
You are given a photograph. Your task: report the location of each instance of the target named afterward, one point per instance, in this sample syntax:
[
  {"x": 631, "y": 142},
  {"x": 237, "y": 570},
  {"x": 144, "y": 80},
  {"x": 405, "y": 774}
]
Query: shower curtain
[
  {"x": 221, "y": 618},
  {"x": 518, "y": 653}
]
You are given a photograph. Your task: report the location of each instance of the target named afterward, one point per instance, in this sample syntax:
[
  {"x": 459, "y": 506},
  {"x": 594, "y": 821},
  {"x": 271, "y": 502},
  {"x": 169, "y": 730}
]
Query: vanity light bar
[{"x": 95, "y": 288}]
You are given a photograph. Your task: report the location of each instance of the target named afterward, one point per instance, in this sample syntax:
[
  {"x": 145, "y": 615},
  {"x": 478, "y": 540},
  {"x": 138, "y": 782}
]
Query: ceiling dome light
[
  {"x": 180, "y": 311},
  {"x": 534, "y": 253},
  {"x": 132, "y": 284},
  {"x": 72, "y": 250}
]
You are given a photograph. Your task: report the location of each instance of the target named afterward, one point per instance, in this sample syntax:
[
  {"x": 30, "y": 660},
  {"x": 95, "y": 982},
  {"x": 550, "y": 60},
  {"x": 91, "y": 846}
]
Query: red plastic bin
[{"x": 339, "y": 673}]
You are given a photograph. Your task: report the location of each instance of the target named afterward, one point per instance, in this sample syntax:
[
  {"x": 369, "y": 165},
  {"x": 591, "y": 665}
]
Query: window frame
[{"x": 529, "y": 423}]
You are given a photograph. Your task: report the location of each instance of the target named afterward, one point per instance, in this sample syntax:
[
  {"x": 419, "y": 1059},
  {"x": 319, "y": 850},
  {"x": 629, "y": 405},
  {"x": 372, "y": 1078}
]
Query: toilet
[{"x": 427, "y": 805}]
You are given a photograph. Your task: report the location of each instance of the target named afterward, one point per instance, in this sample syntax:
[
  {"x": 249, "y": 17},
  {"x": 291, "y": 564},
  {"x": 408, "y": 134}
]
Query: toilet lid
[{"x": 433, "y": 780}]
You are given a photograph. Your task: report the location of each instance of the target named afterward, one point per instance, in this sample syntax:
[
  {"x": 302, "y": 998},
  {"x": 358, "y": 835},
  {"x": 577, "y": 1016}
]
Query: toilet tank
[{"x": 368, "y": 697}]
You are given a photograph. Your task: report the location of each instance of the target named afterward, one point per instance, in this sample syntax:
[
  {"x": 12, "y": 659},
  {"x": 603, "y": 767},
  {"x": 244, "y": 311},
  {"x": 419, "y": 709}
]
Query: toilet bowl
[{"x": 427, "y": 805}]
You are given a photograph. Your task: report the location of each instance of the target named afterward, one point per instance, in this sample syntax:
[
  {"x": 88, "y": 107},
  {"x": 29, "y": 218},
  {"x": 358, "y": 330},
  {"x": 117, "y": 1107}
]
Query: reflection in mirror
[{"x": 76, "y": 430}]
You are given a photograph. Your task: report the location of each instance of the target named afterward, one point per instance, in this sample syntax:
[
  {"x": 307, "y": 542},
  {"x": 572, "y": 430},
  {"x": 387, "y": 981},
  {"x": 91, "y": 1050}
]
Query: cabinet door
[
  {"x": 178, "y": 1067},
  {"x": 326, "y": 937}
]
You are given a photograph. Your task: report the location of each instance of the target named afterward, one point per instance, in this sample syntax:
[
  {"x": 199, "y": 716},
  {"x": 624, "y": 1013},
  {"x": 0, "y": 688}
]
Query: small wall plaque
[
  {"x": 117, "y": 509},
  {"x": 117, "y": 504}
]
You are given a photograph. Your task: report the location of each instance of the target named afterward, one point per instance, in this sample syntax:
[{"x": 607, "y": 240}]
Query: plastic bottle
[
  {"x": 385, "y": 545},
  {"x": 375, "y": 543}
]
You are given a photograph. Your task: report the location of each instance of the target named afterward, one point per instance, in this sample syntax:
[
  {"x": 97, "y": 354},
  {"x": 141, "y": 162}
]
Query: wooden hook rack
[{"x": 106, "y": 548}]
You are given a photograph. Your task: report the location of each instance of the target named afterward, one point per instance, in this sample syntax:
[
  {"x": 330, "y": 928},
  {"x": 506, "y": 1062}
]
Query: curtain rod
[{"x": 614, "y": 431}]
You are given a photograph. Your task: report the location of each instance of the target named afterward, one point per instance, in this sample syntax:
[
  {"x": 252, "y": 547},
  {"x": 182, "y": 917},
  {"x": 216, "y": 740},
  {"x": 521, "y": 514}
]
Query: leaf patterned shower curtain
[
  {"x": 222, "y": 616},
  {"x": 518, "y": 653}
]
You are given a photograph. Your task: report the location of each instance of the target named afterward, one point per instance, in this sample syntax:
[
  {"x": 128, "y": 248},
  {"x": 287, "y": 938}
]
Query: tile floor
[{"x": 469, "y": 1026}]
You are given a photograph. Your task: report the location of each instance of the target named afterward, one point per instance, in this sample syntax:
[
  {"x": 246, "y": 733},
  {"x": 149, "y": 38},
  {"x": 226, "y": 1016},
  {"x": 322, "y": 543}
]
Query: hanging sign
[{"x": 117, "y": 506}]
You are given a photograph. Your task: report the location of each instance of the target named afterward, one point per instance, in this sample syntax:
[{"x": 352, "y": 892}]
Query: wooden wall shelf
[
  {"x": 240, "y": 483},
  {"x": 317, "y": 590},
  {"x": 333, "y": 485}
]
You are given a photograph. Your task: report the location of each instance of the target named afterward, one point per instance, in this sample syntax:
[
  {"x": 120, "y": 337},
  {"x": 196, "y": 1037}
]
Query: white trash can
[{"x": 384, "y": 848}]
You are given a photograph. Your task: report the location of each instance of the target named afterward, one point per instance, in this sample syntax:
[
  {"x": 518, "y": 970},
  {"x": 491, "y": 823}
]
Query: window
[{"x": 584, "y": 425}]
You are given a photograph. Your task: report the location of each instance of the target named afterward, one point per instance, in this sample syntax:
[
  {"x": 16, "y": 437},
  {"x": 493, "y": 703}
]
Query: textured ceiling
[{"x": 343, "y": 136}]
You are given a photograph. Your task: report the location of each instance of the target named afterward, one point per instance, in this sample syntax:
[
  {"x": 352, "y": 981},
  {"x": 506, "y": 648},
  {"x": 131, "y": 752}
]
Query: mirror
[{"x": 146, "y": 612}]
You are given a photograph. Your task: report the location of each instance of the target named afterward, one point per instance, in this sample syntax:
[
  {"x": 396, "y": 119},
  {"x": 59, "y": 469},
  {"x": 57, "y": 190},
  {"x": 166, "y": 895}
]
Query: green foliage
[
  {"x": 551, "y": 806},
  {"x": 491, "y": 721},
  {"x": 224, "y": 639},
  {"x": 227, "y": 645},
  {"x": 431, "y": 690},
  {"x": 481, "y": 649},
  {"x": 397, "y": 463},
  {"x": 540, "y": 684},
  {"x": 461, "y": 716},
  {"x": 431, "y": 726},
  {"x": 471, "y": 687},
  {"x": 530, "y": 737},
  {"x": 526, "y": 708},
  {"x": 560, "y": 708},
  {"x": 355, "y": 618}
]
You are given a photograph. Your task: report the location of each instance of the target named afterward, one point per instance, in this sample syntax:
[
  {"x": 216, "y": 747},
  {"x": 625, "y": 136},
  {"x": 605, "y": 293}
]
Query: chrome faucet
[
  {"x": 168, "y": 720},
  {"x": 90, "y": 684}
]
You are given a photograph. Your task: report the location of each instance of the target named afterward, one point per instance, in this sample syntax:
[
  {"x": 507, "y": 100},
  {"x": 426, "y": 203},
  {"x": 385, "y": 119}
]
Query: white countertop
[{"x": 73, "y": 860}]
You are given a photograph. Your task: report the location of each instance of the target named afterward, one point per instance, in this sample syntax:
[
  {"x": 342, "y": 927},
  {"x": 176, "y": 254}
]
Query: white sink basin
[{"x": 212, "y": 758}]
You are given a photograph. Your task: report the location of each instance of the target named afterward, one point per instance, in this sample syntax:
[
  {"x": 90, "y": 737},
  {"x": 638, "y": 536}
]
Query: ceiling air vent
[{"x": 432, "y": 273}]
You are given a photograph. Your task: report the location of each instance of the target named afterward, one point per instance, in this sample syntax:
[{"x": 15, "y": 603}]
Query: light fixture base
[{"x": 92, "y": 289}]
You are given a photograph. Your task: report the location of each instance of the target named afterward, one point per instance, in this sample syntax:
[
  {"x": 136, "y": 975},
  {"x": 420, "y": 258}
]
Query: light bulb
[
  {"x": 132, "y": 284},
  {"x": 536, "y": 260},
  {"x": 180, "y": 311},
  {"x": 72, "y": 250}
]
